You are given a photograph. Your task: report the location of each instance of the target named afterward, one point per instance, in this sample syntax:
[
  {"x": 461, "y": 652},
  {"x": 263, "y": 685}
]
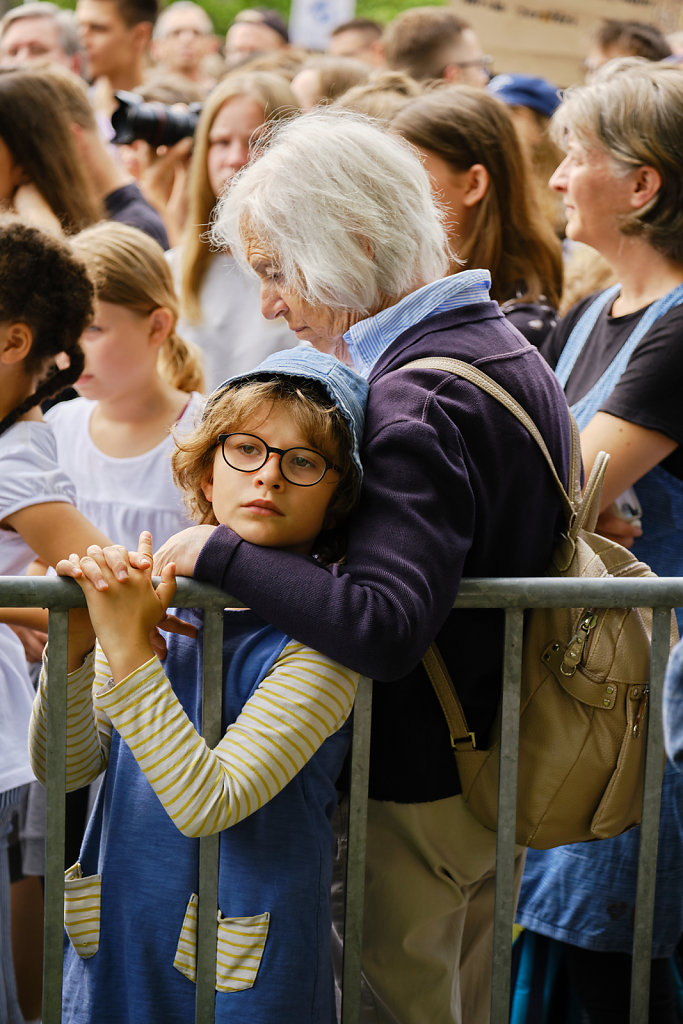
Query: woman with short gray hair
[
  {"x": 619, "y": 356},
  {"x": 336, "y": 219}
]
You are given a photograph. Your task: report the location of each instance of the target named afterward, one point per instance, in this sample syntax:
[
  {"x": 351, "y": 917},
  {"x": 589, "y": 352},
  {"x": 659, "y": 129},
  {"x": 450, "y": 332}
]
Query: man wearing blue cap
[
  {"x": 526, "y": 91},
  {"x": 531, "y": 102}
]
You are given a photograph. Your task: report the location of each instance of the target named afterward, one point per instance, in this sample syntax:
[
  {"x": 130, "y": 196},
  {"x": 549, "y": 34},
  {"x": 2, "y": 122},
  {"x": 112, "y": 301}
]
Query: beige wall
[{"x": 547, "y": 37}]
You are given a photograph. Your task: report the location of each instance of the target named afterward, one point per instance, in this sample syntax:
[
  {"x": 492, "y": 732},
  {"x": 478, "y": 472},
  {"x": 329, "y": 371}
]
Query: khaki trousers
[{"x": 429, "y": 896}]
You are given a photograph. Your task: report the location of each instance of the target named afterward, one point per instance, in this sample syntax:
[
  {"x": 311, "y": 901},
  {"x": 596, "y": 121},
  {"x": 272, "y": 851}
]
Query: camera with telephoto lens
[{"x": 155, "y": 123}]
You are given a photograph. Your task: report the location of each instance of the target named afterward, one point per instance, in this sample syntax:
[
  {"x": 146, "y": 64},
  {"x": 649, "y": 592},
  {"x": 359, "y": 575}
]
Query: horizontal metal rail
[
  {"x": 527, "y": 592},
  {"x": 513, "y": 595}
]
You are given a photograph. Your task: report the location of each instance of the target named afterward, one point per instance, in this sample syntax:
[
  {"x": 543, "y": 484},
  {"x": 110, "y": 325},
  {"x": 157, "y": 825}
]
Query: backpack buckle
[{"x": 468, "y": 738}]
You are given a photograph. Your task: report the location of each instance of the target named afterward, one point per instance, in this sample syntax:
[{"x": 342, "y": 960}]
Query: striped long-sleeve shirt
[{"x": 304, "y": 698}]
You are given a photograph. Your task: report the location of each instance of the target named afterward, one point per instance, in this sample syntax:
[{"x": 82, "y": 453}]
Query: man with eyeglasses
[{"x": 433, "y": 42}]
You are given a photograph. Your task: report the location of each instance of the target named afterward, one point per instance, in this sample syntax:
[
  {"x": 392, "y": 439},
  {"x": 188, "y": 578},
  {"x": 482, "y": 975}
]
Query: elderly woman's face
[
  {"x": 594, "y": 195},
  {"x": 320, "y": 326}
]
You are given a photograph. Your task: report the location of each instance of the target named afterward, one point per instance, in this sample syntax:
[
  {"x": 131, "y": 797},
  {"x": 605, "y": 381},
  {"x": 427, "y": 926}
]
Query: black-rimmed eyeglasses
[{"x": 248, "y": 452}]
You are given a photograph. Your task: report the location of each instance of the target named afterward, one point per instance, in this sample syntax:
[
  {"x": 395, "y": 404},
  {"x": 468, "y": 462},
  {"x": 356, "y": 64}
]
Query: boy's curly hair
[
  {"x": 43, "y": 285},
  {"x": 249, "y": 401}
]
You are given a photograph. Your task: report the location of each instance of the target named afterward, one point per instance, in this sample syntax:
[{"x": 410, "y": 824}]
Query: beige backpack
[{"x": 585, "y": 682}]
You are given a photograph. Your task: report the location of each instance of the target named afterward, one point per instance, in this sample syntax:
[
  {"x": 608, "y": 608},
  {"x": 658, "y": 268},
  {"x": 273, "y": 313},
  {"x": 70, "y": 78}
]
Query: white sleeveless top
[{"x": 122, "y": 496}]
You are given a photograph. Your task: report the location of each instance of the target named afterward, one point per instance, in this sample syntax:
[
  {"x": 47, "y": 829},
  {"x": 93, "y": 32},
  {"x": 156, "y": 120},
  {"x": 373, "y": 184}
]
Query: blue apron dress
[
  {"x": 584, "y": 894},
  {"x": 274, "y": 875}
]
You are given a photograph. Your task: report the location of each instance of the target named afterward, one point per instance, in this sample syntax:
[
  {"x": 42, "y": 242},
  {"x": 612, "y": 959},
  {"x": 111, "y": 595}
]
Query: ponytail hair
[
  {"x": 180, "y": 364},
  {"x": 129, "y": 269},
  {"x": 45, "y": 286}
]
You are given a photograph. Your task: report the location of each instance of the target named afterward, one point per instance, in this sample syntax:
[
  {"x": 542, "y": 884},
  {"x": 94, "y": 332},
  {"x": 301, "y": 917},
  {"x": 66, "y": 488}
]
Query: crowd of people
[{"x": 219, "y": 260}]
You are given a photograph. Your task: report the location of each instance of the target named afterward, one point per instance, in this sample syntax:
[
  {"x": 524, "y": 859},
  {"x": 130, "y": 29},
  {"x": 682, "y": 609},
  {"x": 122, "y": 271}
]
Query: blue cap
[
  {"x": 526, "y": 91},
  {"x": 346, "y": 388}
]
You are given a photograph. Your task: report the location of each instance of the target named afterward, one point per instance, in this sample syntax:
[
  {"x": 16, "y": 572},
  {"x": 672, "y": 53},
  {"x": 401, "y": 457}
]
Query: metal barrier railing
[
  {"x": 514, "y": 596},
  {"x": 660, "y": 594}
]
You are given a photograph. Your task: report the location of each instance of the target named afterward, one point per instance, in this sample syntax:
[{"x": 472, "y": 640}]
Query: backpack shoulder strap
[
  {"x": 581, "y": 513},
  {"x": 462, "y": 738},
  {"x": 492, "y": 388}
]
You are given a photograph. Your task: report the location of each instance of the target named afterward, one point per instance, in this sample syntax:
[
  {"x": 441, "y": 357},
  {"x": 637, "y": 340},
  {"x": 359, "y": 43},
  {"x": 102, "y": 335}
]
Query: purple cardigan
[{"x": 454, "y": 486}]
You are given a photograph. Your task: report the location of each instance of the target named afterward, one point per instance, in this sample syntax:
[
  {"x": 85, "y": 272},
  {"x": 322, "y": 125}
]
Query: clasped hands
[{"x": 125, "y": 611}]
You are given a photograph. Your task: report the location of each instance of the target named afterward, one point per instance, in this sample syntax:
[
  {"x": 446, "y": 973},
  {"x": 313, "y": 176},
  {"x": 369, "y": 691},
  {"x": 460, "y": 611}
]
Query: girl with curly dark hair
[{"x": 46, "y": 301}]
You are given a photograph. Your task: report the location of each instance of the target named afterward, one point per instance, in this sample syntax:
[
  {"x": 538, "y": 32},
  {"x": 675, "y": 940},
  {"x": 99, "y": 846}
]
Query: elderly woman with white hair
[{"x": 337, "y": 220}]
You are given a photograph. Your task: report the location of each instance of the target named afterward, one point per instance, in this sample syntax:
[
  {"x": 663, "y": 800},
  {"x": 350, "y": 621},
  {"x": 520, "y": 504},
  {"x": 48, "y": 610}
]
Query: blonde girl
[
  {"x": 220, "y": 307},
  {"x": 139, "y": 381}
]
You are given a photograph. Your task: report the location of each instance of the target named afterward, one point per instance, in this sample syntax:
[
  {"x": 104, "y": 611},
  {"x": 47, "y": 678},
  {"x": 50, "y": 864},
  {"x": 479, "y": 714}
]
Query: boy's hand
[
  {"x": 124, "y": 607},
  {"x": 33, "y": 641},
  {"x": 119, "y": 561}
]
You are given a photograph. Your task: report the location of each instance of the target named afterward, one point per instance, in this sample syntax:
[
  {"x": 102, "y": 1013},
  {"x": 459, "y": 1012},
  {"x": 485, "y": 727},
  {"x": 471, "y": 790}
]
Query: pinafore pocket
[
  {"x": 82, "y": 904},
  {"x": 241, "y": 941}
]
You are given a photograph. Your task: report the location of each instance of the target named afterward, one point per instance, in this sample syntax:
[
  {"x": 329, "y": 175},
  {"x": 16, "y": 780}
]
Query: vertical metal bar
[
  {"x": 207, "y": 913},
  {"x": 649, "y": 827},
  {"x": 355, "y": 865},
  {"x": 56, "y": 810},
  {"x": 507, "y": 817}
]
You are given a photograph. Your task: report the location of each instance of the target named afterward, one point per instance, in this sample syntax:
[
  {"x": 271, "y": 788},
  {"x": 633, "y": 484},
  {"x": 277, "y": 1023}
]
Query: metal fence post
[
  {"x": 56, "y": 816},
  {"x": 507, "y": 813},
  {"x": 355, "y": 865},
  {"x": 649, "y": 828},
  {"x": 207, "y": 911}
]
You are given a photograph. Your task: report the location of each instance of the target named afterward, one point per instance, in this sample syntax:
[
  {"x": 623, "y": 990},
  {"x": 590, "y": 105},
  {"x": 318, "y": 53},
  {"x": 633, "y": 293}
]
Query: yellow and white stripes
[
  {"x": 82, "y": 905},
  {"x": 240, "y": 945},
  {"x": 88, "y": 730},
  {"x": 304, "y": 698}
]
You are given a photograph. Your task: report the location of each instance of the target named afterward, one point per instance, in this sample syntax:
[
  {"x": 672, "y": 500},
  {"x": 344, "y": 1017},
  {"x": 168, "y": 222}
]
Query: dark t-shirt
[{"x": 650, "y": 391}]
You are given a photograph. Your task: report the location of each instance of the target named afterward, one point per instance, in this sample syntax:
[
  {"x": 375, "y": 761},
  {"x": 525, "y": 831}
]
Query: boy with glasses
[{"x": 276, "y": 458}]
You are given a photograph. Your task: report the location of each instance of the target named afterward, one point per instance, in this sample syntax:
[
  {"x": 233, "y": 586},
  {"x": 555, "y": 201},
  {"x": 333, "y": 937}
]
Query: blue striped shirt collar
[{"x": 368, "y": 339}]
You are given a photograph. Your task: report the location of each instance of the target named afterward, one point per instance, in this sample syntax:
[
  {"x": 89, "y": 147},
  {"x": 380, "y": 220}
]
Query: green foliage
[
  {"x": 384, "y": 10},
  {"x": 222, "y": 12}
]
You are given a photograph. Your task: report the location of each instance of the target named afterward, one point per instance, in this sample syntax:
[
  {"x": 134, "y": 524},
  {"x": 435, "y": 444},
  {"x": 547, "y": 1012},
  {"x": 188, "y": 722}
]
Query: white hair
[{"x": 342, "y": 206}]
